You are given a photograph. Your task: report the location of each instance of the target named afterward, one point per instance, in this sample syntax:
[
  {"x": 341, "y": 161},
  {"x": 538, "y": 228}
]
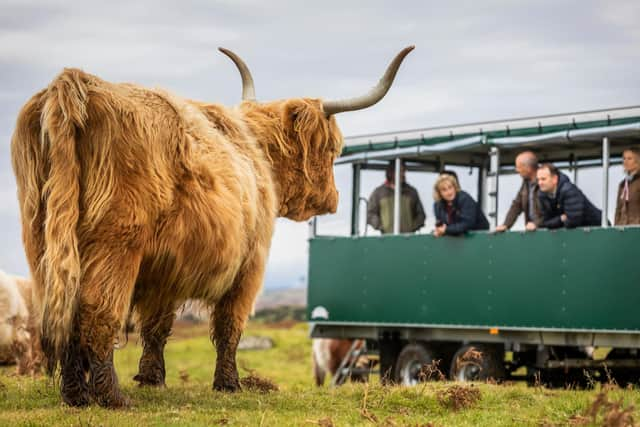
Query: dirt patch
[
  {"x": 255, "y": 383},
  {"x": 325, "y": 422},
  {"x": 458, "y": 397}
]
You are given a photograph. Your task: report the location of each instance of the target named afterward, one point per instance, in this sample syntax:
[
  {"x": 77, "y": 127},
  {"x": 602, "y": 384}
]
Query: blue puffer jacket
[
  {"x": 570, "y": 201},
  {"x": 467, "y": 215}
]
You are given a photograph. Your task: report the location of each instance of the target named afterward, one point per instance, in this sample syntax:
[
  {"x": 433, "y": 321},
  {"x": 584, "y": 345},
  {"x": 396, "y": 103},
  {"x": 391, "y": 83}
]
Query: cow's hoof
[
  {"x": 229, "y": 387},
  {"x": 77, "y": 400},
  {"x": 113, "y": 401},
  {"x": 149, "y": 380}
]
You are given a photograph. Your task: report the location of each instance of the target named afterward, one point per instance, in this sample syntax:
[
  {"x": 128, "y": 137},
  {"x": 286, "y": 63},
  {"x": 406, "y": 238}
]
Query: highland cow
[{"x": 136, "y": 199}]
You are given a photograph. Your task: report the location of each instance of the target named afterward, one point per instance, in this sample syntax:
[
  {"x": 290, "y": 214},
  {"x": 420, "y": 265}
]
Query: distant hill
[
  {"x": 273, "y": 305},
  {"x": 272, "y": 298}
]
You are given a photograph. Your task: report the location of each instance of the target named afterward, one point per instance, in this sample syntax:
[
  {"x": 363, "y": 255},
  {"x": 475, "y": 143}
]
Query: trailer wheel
[
  {"x": 411, "y": 360},
  {"x": 624, "y": 377},
  {"x": 478, "y": 362}
]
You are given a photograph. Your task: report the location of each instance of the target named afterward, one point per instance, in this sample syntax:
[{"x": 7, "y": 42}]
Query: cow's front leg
[{"x": 155, "y": 330}]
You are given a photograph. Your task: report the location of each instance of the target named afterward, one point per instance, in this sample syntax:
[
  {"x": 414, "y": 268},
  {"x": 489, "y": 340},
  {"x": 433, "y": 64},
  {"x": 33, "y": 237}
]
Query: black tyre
[
  {"x": 478, "y": 362},
  {"x": 624, "y": 377},
  {"x": 411, "y": 362}
]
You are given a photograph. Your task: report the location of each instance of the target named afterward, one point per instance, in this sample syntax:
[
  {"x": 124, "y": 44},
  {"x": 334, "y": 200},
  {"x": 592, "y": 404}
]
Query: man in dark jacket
[
  {"x": 526, "y": 200},
  {"x": 562, "y": 203},
  {"x": 380, "y": 207}
]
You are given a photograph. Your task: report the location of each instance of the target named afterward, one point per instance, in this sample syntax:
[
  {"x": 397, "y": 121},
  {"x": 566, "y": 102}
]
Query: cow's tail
[{"x": 64, "y": 114}]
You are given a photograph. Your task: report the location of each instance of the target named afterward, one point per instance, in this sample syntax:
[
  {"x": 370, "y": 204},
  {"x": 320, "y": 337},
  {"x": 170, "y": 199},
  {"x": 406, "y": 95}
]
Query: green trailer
[{"x": 535, "y": 305}]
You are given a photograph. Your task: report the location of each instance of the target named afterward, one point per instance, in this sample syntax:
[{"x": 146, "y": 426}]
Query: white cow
[{"x": 18, "y": 333}]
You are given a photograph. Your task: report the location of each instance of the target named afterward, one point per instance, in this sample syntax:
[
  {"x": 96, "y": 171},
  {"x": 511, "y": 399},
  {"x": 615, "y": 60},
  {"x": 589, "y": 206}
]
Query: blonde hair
[{"x": 442, "y": 178}]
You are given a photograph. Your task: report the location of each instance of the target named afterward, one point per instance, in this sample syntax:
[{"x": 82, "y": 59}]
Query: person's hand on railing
[{"x": 440, "y": 230}]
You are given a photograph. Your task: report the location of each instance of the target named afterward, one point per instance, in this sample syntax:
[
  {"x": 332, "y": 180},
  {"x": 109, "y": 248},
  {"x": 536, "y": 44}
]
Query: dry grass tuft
[
  {"x": 364, "y": 413},
  {"x": 458, "y": 397},
  {"x": 613, "y": 413},
  {"x": 605, "y": 412},
  {"x": 255, "y": 383},
  {"x": 432, "y": 372},
  {"x": 470, "y": 357}
]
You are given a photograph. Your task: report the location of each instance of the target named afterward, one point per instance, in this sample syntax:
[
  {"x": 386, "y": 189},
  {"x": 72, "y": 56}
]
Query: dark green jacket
[{"x": 380, "y": 209}]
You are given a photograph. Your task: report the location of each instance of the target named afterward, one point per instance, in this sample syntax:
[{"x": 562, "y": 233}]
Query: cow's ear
[{"x": 291, "y": 111}]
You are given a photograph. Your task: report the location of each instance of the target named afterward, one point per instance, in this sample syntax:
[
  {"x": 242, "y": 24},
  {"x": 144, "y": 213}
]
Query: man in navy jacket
[{"x": 562, "y": 204}]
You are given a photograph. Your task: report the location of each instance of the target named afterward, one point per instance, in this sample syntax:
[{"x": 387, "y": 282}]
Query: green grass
[{"x": 189, "y": 401}]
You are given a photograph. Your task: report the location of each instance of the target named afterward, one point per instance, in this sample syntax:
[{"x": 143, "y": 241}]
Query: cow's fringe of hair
[
  {"x": 63, "y": 114},
  {"x": 303, "y": 122}
]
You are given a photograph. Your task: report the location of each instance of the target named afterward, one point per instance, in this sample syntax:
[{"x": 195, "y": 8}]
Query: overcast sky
[{"x": 473, "y": 61}]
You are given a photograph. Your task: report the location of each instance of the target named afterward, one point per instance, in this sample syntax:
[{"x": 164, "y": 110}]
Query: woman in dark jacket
[{"x": 456, "y": 212}]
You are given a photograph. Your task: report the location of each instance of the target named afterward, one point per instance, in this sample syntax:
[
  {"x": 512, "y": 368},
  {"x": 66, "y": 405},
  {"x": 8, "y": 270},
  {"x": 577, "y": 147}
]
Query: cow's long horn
[
  {"x": 248, "y": 91},
  {"x": 374, "y": 95}
]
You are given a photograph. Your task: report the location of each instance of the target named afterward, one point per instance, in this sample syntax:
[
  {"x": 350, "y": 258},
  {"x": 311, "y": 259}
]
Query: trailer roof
[{"x": 554, "y": 137}]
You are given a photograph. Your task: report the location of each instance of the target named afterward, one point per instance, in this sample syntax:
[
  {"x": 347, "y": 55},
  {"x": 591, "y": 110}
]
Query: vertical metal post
[
  {"x": 494, "y": 174},
  {"x": 481, "y": 188},
  {"x": 605, "y": 181},
  {"x": 355, "y": 199},
  {"x": 313, "y": 227},
  {"x": 396, "y": 197},
  {"x": 575, "y": 170}
]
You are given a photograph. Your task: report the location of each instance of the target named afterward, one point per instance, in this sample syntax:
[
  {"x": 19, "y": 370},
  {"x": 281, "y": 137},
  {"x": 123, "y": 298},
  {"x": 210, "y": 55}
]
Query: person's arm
[
  {"x": 514, "y": 211},
  {"x": 466, "y": 218},
  {"x": 618, "y": 215},
  {"x": 537, "y": 208},
  {"x": 548, "y": 220},
  {"x": 574, "y": 204},
  {"x": 373, "y": 210}
]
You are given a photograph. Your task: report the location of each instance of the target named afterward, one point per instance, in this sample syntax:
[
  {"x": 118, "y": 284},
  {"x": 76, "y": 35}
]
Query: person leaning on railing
[
  {"x": 380, "y": 206},
  {"x": 562, "y": 203},
  {"x": 628, "y": 201},
  {"x": 455, "y": 210},
  {"x": 526, "y": 201}
]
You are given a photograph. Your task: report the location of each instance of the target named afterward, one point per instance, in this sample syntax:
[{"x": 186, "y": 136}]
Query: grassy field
[{"x": 189, "y": 401}]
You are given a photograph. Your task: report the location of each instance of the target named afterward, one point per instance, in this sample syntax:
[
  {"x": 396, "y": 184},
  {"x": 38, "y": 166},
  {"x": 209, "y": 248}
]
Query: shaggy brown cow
[
  {"x": 19, "y": 339},
  {"x": 136, "y": 198}
]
